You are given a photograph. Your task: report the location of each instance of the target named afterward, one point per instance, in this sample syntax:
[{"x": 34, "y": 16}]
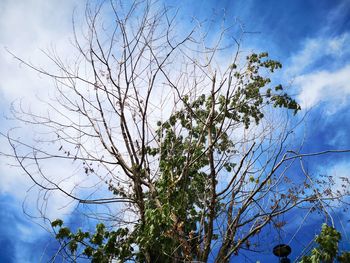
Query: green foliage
[
  {"x": 327, "y": 249},
  {"x": 100, "y": 246}
]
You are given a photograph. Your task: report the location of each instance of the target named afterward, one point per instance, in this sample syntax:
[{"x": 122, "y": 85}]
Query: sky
[{"x": 311, "y": 38}]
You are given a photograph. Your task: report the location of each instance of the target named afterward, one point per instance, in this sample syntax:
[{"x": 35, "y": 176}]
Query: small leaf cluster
[
  {"x": 252, "y": 92},
  {"x": 101, "y": 246}
]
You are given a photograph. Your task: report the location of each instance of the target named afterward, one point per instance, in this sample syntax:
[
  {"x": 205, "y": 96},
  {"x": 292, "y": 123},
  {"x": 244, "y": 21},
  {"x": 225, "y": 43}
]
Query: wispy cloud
[
  {"x": 324, "y": 86},
  {"x": 321, "y": 71},
  {"x": 314, "y": 51}
]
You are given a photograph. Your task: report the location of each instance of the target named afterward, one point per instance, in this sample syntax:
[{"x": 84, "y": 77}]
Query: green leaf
[
  {"x": 64, "y": 232},
  {"x": 57, "y": 222},
  {"x": 88, "y": 251},
  {"x": 73, "y": 246}
]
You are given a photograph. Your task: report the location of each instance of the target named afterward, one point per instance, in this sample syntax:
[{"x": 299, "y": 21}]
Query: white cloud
[
  {"x": 26, "y": 27},
  {"x": 324, "y": 86},
  {"x": 315, "y": 49},
  {"x": 321, "y": 72}
]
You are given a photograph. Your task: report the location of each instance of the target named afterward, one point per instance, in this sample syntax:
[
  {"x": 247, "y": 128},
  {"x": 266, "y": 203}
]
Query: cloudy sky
[{"x": 311, "y": 38}]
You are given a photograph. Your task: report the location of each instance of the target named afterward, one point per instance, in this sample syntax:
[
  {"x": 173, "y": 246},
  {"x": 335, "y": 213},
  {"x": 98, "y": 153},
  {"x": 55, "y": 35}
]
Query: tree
[
  {"x": 191, "y": 148},
  {"x": 327, "y": 251}
]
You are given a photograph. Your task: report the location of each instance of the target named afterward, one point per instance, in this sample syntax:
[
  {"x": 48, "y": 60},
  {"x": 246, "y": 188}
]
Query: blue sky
[{"x": 311, "y": 38}]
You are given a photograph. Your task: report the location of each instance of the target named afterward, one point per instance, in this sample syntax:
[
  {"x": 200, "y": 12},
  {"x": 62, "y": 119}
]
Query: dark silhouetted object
[{"x": 282, "y": 251}]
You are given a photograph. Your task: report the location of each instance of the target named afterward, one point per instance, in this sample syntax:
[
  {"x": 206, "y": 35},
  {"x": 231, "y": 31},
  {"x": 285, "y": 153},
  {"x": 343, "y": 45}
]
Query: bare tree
[{"x": 183, "y": 130}]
